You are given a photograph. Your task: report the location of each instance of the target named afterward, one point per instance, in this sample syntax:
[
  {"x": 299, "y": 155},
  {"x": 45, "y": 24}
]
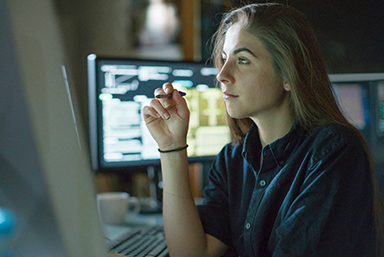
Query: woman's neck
[{"x": 272, "y": 128}]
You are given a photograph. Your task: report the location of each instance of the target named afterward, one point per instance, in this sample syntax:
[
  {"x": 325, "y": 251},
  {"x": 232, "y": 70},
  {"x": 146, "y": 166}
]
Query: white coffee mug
[{"x": 115, "y": 207}]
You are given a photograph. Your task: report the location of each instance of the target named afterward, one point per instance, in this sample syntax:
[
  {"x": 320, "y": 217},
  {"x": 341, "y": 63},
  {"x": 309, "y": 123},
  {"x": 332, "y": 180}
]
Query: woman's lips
[{"x": 227, "y": 95}]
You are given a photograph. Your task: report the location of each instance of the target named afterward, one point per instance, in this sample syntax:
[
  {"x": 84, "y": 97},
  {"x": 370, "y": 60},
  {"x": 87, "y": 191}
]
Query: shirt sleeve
[
  {"x": 214, "y": 213},
  {"x": 332, "y": 214}
]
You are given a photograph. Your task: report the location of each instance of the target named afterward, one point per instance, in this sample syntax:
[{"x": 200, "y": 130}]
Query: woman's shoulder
[
  {"x": 332, "y": 137},
  {"x": 335, "y": 132}
]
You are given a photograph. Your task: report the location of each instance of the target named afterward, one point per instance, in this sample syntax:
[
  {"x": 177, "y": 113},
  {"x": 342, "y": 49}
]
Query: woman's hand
[{"x": 167, "y": 118}]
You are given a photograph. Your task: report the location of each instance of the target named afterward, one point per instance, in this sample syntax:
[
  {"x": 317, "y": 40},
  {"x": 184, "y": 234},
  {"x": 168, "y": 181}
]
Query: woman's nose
[{"x": 225, "y": 74}]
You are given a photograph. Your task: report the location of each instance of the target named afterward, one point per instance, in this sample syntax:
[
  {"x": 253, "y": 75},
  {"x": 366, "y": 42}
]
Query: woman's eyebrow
[{"x": 243, "y": 49}]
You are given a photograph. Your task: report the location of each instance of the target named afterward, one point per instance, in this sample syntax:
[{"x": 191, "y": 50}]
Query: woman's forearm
[{"x": 183, "y": 228}]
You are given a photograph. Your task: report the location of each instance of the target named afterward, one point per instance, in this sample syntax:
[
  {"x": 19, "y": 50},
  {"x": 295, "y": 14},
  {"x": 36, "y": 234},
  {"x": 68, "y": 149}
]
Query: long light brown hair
[{"x": 288, "y": 37}]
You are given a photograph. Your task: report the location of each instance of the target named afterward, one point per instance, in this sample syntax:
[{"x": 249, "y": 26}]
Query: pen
[{"x": 169, "y": 95}]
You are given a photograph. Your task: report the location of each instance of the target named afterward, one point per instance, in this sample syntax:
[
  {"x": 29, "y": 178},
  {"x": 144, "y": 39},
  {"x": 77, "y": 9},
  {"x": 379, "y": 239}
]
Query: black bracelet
[{"x": 172, "y": 150}]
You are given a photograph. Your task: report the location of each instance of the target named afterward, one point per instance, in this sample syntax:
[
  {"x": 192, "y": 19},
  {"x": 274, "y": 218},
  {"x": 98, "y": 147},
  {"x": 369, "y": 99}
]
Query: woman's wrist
[
  {"x": 177, "y": 149},
  {"x": 172, "y": 146}
]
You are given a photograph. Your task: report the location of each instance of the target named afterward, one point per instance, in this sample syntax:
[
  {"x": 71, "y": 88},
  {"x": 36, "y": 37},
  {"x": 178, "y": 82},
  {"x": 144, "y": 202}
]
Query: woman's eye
[{"x": 243, "y": 61}]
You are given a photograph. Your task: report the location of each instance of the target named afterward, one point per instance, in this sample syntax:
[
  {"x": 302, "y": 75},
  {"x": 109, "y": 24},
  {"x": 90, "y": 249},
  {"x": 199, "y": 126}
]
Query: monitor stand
[{"x": 154, "y": 203}]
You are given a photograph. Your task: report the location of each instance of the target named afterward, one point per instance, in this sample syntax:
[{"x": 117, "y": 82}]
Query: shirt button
[
  {"x": 262, "y": 182},
  {"x": 248, "y": 225}
]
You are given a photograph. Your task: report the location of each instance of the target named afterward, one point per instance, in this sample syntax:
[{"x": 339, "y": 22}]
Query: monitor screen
[
  {"x": 360, "y": 97},
  {"x": 380, "y": 101},
  {"x": 353, "y": 101},
  {"x": 120, "y": 88}
]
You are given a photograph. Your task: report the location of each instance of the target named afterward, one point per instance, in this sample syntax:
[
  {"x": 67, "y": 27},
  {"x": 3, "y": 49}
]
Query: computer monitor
[
  {"x": 360, "y": 97},
  {"x": 380, "y": 107},
  {"x": 120, "y": 88},
  {"x": 46, "y": 179}
]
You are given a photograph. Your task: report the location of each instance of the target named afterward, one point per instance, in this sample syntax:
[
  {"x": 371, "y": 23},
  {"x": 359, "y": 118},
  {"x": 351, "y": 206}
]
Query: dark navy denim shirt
[{"x": 310, "y": 196}]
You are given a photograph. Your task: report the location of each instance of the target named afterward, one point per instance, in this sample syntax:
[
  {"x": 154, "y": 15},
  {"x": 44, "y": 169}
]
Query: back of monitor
[{"x": 45, "y": 177}]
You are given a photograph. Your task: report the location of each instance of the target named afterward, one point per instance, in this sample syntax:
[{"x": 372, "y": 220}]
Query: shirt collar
[
  {"x": 280, "y": 148},
  {"x": 252, "y": 147}
]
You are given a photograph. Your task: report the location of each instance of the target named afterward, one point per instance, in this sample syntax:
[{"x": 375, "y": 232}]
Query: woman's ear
[{"x": 287, "y": 87}]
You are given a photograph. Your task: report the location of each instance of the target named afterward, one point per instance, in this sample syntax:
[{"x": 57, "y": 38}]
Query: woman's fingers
[
  {"x": 159, "y": 108},
  {"x": 166, "y": 89},
  {"x": 150, "y": 112},
  {"x": 167, "y": 117},
  {"x": 164, "y": 106},
  {"x": 181, "y": 104},
  {"x": 164, "y": 101}
]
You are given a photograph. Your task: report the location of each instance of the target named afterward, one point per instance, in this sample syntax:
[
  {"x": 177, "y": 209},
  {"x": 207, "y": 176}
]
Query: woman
[{"x": 297, "y": 180}]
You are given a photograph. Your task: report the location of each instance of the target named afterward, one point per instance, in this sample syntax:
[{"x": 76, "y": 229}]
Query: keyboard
[{"x": 146, "y": 241}]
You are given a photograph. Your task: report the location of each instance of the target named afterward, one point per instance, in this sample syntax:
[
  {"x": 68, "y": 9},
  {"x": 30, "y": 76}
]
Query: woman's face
[{"x": 251, "y": 86}]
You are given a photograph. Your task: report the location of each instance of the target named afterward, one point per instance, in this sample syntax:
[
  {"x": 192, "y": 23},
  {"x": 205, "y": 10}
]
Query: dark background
[{"x": 350, "y": 32}]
